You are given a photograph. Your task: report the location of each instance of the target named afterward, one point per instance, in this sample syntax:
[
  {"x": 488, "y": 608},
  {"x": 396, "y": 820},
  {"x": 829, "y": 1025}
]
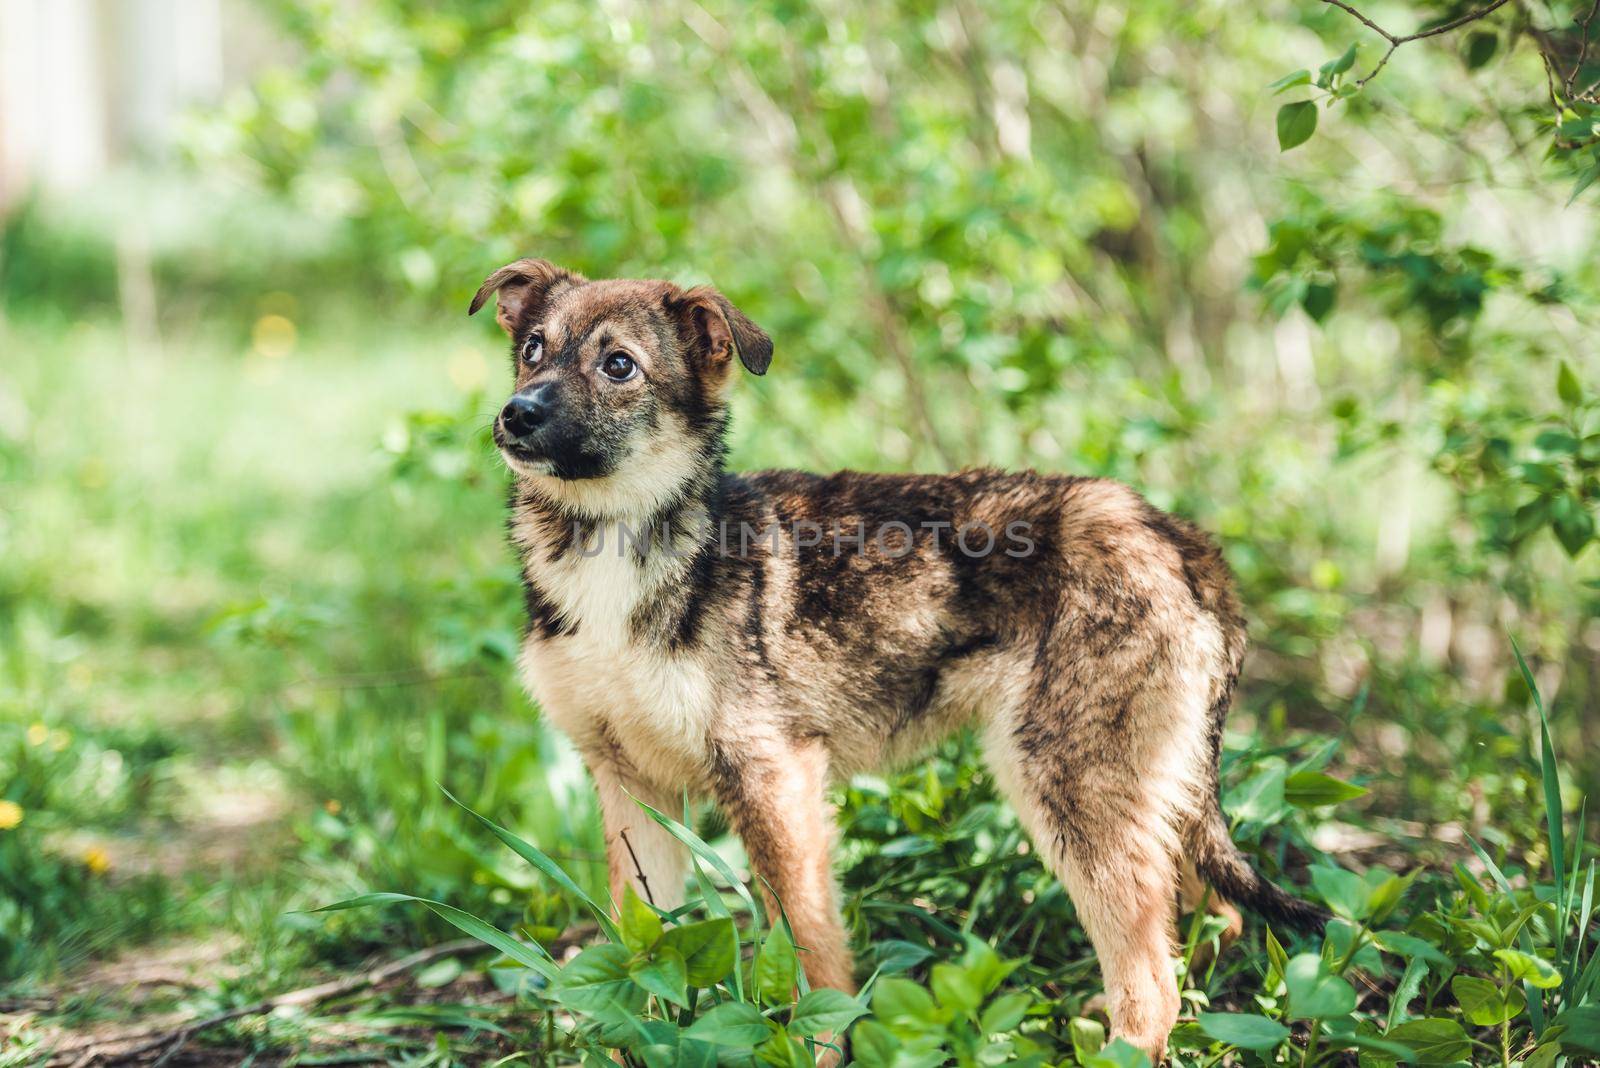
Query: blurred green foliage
[
  {"x": 251, "y": 559},
  {"x": 1058, "y": 236}
]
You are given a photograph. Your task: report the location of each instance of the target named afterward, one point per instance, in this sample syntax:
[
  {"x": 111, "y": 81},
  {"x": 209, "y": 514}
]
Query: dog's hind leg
[{"x": 1106, "y": 829}]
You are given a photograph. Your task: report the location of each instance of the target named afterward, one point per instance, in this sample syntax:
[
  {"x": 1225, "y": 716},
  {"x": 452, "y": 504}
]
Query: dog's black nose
[{"x": 523, "y": 414}]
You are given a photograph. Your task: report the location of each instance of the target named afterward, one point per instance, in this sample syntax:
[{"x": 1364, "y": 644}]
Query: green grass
[{"x": 236, "y": 650}]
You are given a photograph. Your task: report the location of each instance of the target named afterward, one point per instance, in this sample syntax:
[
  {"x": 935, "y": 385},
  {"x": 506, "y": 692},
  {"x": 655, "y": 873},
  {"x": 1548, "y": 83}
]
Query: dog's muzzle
[{"x": 527, "y": 411}]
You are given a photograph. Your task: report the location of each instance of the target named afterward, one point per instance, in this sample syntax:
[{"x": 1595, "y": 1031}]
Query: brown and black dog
[{"x": 751, "y": 637}]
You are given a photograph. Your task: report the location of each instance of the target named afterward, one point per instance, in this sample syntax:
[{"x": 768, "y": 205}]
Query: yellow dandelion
[
  {"x": 332, "y": 806},
  {"x": 38, "y": 734},
  {"x": 10, "y": 815},
  {"x": 273, "y": 336},
  {"x": 97, "y": 859}
]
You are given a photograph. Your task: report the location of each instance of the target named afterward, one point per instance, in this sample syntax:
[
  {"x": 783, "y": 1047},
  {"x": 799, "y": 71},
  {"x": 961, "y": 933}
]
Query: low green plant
[
  {"x": 1510, "y": 969},
  {"x": 686, "y": 987}
]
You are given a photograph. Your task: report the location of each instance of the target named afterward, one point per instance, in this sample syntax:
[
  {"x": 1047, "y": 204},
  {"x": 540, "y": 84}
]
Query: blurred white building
[{"x": 86, "y": 83}]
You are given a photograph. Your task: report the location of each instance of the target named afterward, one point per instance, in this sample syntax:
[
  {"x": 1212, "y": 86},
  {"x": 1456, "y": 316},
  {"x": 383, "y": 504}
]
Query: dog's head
[{"x": 620, "y": 384}]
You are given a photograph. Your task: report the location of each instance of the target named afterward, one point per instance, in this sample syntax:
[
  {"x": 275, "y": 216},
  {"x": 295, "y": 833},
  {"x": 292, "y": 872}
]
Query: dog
[{"x": 750, "y": 638}]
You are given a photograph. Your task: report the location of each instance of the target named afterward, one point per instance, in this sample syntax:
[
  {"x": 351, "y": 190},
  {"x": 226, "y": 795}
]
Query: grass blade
[
  {"x": 528, "y": 954},
  {"x": 1586, "y": 983},
  {"x": 699, "y": 848},
  {"x": 553, "y": 871},
  {"x": 1552, "y": 798}
]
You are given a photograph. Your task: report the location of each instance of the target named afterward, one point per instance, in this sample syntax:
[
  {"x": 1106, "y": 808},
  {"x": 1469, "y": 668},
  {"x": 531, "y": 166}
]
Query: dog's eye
[
  {"x": 533, "y": 349},
  {"x": 619, "y": 367}
]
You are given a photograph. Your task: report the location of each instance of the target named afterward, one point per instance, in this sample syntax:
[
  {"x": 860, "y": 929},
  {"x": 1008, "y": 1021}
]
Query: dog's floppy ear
[
  {"x": 722, "y": 331},
  {"x": 524, "y": 287}
]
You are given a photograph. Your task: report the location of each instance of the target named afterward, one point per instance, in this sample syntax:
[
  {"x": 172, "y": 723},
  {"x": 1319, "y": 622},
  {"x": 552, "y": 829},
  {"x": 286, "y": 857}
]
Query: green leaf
[
  {"x": 733, "y": 1023},
  {"x": 1260, "y": 798},
  {"x": 1480, "y": 48},
  {"x": 984, "y": 965},
  {"x": 1345, "y": 892},
  {"x": 1529, "y": 968},
  {"x": 695, "y": 1054},
  {"x": 1409, "y": 946},
  {"x": 1318, "y": 300},
  {"x": 898, "y": 955},
  {"x": 824, "y": 1011},
  {"x": 873, "y": 1045},
  {"x": 1313, "y": 789},
  {"x": 1244, "y": 1030},
  {"x": 440, "y": 973},
  {"x": 1004, "y": 1013},
  {"x": 776, "y": 971},
  {"x": 663, "y": 974},
  {"x": 1365, "y": 1037},
  {"x": 1088, "y": 1037},
  {"x": 597, "y": 979},
  {"x": 1434, "y": 1040},
  {"x": 1386, "y": 894},
  {"x": 1544, "y": 1056},
  {"x": 901, "y": 999},
  {"x": 1339, "y": 936},
  {"x": 709, "y": 948},
  {"x": 1585, "y": 179},
  {"x": 955, "y": 988},
  {"x": 641, "y": 927},
  {"x": 1568, "y": 388},
  {"x": 1406, "y": 990},
  {"x": 1276, "y": 955},
  {"x": 1314, "y": 991},
  {"x": 1572, "y": 522},
  {"x": 1296, "y": 123},
  {"x": 1343, "y": 63},
  {"x": 1119, "y": 1053},
  {"x": 1582, "y": 1028},
  {"x": 1484, "y": 1002},
  {"x": 782, "y": 1051},
  {"x": 1290, "y": 80},
  {"x": 1558, "y": 441}
]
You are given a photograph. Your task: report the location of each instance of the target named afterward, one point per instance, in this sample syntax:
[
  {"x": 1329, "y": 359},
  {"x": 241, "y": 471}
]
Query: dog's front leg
[
  {"x": 775, "y": 798},
  {"x": 639, "y": 851}
]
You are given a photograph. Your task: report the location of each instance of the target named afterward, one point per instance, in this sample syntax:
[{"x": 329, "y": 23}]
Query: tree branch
[
  {"x": 1583, "y": 49},
  {"x": 1395, "y": 40}
]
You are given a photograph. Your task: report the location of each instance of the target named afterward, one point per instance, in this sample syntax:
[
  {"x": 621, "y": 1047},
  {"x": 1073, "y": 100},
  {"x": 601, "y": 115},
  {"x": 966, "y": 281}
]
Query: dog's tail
[{"x": 1232, "y": 876}]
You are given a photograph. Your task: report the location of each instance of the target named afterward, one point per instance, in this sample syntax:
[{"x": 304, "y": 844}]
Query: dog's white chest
[
  {"x": 655, "y": 707},
  {"x": 602, "y": 686}
]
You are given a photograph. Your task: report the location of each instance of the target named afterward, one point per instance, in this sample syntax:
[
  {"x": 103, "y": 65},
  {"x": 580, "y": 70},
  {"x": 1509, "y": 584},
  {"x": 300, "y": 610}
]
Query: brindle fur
[{"x": 1098, "y": 667}]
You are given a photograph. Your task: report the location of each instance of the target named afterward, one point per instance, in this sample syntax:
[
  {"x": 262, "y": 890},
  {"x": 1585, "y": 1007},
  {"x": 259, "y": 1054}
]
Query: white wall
[{"x": 85, "y": 83}]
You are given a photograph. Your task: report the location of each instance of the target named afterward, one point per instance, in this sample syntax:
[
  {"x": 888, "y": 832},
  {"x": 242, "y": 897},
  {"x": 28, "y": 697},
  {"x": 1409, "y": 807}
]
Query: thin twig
[
  {"x": 638, "y": 869},
  {"x": 1583, "y": 49},
  {"x": 1373, "y": 26},
  {"x": 1456, "y": 23}
]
